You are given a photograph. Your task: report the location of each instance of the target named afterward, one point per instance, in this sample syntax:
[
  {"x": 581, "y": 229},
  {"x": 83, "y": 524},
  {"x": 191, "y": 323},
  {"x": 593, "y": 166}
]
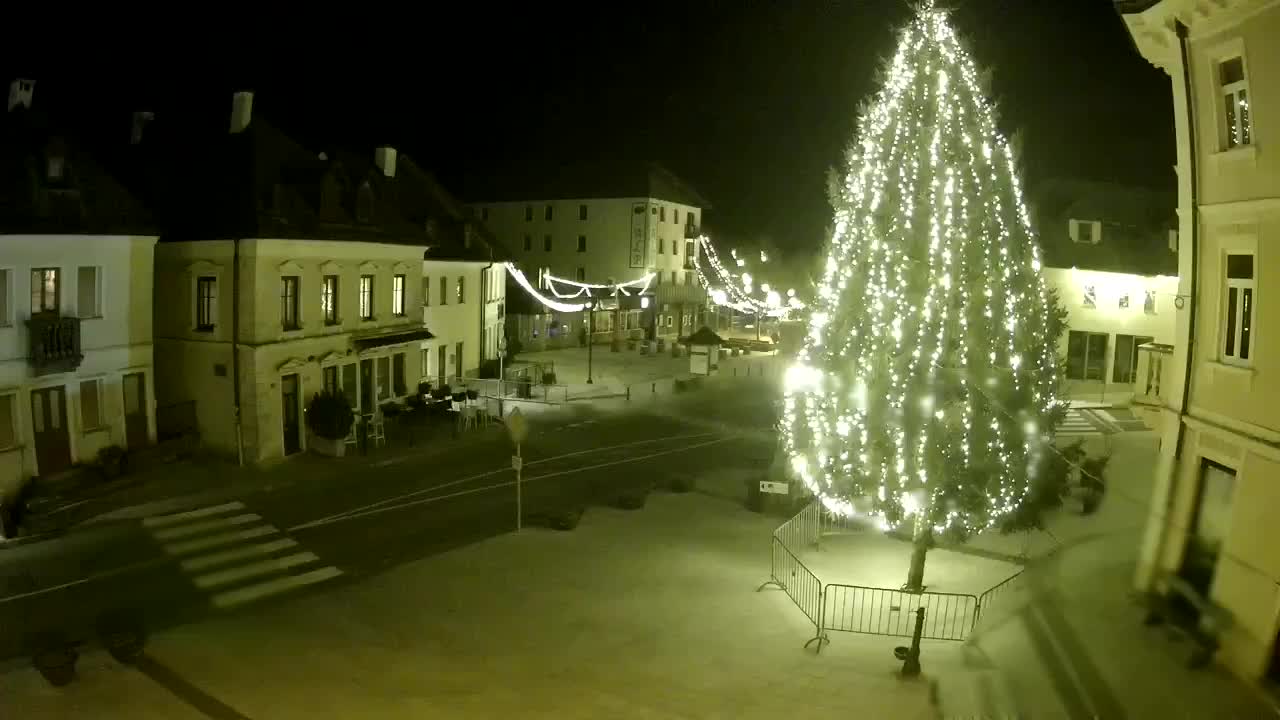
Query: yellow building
[{"x": 1217, "y": 483}]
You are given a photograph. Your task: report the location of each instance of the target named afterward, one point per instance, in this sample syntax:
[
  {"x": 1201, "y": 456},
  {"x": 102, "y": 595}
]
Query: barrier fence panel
[
  {"x": 800, "y": 584},
  {"x": 880, "y": 611},
  {"x": 803, "y": 529},
  {"x": 997, "y": 595}
]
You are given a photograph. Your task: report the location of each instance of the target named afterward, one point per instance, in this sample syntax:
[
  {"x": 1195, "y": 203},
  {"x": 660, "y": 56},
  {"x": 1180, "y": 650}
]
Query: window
[
  {"x": 426, "y": 363},
  {"x": 397, "y": 295},
  {"x": 675, "y": 216},
  {"x": 462, "y": 290},
  {"x": 5, "y": 317},
  {"x": 329, "y": 379},
  {"x": 329, "y": 299},
  {"x": 426, "y": 291},
  {"x": 444, "y": 290},
  {"x": 1085, "y": 231},
  {"x": 366, "y": 297},
  {"x": 206, "y": 302},
  {"x": 91, "y": 405},
  {"x": 582, "y": 212},
  {"x": 46, "y": 288},
  {"x": 484, "y": 213},
  {"x": 528, "y": 213},
  {"x": 673, "y": 277},
  {"x": 1212, "y": 522},
  {"x": 1086, "y": 355},
  {"x": 662, "y": 244},
  {"x": 1090, "y": 296},
  {"x": 582, "y": 274},
  {"x": 1149, "y": 303},
  {"x": 1238, "y": 318},
  {"x": 546, "y": 243},
  {"x": 88, "y": 292},
  {"x": 528, "y": 242},
  {"x": 582, "y": 243},
  {"x": 662, "y": 214},
  {"x": 1125, "y": 367},
  {"x": 1123, "y": 303},
  {"x": 397, "y": 375},
  {"x": 688, "y": 278},
  {"x": 289, "y": 302},
  {"x": 546, "y": 213},
  {"x": 1235, "y": 98},
  {"x": 8, "y": 421},
  {"x": 384, "y": 377},
  {"x": 675, "y": 247}
]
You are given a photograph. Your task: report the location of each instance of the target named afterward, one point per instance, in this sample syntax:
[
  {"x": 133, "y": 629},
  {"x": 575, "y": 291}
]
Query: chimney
[
  {"x": 241, "y": 111},
  {"x": 140, "y": 120},
  {"x": 20, "y": 91},
  {"x": 385, "y": 157}
]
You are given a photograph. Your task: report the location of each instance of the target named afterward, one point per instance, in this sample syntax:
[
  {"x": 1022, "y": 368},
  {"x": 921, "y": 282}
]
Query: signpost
[
  {"x": 775, "y": 488},
  {"x": 518, "y": 429}
]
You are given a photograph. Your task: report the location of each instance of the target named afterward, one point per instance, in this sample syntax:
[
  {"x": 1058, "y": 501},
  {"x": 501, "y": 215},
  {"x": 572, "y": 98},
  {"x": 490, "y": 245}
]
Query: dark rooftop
[
  {"x": 1135, "y": 226},
  {"x": 591, "y": 179}
]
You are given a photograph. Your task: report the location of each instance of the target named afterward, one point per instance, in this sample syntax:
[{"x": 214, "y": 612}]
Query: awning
[{"x": 366, "y": 342}]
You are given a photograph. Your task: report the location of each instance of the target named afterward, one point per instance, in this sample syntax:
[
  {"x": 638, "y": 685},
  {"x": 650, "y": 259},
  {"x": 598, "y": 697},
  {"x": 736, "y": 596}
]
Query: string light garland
[
  {"x": 735, "y": 290},
  {"x": 926, "y": 386},
  {"x": 591, "y": 291}
]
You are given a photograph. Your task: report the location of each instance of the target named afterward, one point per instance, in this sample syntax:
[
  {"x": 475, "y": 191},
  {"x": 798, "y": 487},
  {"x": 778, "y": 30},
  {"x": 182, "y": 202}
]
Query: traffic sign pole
[
  {"x": 518, "y": 429},
  {"x": 519, "y": 465}
]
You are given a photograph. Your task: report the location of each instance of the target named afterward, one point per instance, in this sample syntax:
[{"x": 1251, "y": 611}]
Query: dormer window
[
  {"x": 55, "y": 167},
  {"x": 1085, "y": 231},
  {"x": 364, "y": 203}
]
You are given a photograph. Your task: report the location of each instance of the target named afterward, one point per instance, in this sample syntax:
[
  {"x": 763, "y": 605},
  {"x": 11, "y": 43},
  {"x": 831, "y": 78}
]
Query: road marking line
[
  {"x": 196, "y": 528},
  {"x": 240, "y": 596},
  {"x": 163, "y": 520},
  {"x": 244, "y": 572},
  {"x": 212, "y": 541},
  {"x": 491, "y": 473},
  {"x": 223, "y": 557},
  {"x": 437, "y": 498}
]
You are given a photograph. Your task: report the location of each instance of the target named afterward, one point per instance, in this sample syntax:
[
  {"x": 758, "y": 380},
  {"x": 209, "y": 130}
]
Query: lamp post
[
  {"x": 591, "y": 328},
  {"x": 502, "y": 377}
]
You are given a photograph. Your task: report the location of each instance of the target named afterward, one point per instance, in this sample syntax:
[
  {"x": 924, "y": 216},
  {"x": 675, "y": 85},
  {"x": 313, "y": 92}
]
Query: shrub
[
  {"x": 565, "y": 519},
  {"x": 681, "y": 483},
  {"x": 549, "y": 378},
  {"x": 329, "y": 415},
  {"x": 631, "y": 498},
  {"x": 424, "y": 388},
  {"x": 442, "y": 392}
]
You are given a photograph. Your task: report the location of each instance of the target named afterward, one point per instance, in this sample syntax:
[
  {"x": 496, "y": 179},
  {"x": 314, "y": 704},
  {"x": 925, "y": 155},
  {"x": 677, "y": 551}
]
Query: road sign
[
  {"x": 517, "y": 426},
  {"x": 776, "y": 488},
  {"x": 517, "y": 462}
]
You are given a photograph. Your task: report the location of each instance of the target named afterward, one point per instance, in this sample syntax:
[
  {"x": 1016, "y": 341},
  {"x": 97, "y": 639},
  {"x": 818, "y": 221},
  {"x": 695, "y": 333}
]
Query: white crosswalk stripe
[
  {"x": 235, "y": 555},
  {"x": 1080, "y": 423}
]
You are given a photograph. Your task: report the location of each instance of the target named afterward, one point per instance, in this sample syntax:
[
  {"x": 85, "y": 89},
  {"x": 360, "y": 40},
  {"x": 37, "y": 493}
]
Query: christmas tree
[{"x": 926, "y": 393}]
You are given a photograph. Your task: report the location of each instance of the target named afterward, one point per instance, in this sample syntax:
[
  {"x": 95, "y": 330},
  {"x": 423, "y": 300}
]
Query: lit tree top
[{"x": 927, "y": 383}]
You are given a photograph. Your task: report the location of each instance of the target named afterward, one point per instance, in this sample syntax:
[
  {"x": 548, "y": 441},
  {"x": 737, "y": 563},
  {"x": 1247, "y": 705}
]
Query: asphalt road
[{"x": 343, "y": 528}]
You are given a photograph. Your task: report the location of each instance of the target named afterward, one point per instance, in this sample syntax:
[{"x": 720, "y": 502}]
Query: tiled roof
[{"x": 1135, "y": 226}]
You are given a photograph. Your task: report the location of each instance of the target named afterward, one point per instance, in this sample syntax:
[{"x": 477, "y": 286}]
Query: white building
[
  {"x": 75, "y": 306},
  {"x": 603, "y": 225},
  {"x": 1109, "y": 253},
  {"x": 1217, "y": 481}
]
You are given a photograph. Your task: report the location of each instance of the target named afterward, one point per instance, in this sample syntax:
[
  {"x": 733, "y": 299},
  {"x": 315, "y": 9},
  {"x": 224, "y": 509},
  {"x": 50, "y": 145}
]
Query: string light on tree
[{"x": 925, "y": 393}]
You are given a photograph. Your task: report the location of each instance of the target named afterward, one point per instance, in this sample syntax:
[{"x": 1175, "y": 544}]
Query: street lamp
[{"x": 502, "y": 357}]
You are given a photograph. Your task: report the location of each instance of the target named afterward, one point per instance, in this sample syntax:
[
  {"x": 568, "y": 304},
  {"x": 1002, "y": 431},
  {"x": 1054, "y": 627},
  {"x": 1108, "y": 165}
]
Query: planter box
[{"x": 325, "y": 446}]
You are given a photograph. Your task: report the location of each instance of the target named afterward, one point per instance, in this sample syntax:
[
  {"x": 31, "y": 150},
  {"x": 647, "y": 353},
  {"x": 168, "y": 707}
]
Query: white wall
[
  {"x": 1107, "y": 316},
  {"x": 116, "y": 341},
  {"x": 452, "y": 322}
]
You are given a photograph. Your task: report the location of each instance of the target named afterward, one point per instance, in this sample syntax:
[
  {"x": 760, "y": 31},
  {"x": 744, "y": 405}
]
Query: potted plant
[
  {"x": 55, "y": 657},
  {"x": 111, "y": 462},
  {"x": 390, "y": 409},
  {"x": 329, "y": 418},
  {"x": 424, "y": 389},
  {"x": 548, "y": 378},
  {"x": 442, "y": 392},
  {"x": 473, "y": 394}
]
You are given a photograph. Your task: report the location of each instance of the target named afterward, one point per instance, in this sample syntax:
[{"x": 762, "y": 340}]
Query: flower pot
[
  {"x": 326, "y": 446},
  {"x": 55, "y": 658}
]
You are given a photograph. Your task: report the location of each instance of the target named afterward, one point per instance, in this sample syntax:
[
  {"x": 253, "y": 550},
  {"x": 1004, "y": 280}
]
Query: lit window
[
  {"x": 366, "y": 297},
  {"x": 289, "y": 302},
  {"x": 329, "y": 299},
  {"x": 206, "y": 302},
  {"x": 1235, "y": 99},
  {"x": 461, "y": 292},
  {"x": 397, "y": 295},
  {"x": 426, "y": 292},
  {"x": 1237, "y": 321},
  {"x": 46, "y": 286}
]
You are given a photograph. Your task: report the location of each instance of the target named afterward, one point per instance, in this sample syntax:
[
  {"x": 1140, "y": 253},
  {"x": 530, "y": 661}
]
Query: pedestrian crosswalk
[
  {"x": 234, "y": 555},
  {"x": 1083, "y": 423}
]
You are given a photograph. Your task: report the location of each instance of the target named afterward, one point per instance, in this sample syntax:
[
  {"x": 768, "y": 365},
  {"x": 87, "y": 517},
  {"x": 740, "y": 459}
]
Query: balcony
[{"x": 54, "y": 343}]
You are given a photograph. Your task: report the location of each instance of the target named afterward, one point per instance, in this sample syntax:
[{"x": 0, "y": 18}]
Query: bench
[{"x": 1188, "y": 614}]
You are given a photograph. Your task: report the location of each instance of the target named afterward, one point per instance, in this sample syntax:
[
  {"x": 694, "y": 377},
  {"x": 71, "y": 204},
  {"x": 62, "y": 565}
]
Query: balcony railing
[{"x": 53, "y": 343}]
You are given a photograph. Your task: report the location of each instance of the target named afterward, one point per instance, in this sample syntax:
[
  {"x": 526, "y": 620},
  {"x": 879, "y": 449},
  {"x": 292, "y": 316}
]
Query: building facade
[
  {"x": 1217, "y": 482},
  {"x": 75, "y": 304},
  {"x": 596, "y": 226},
  {"x": 1110, "y": 255}
]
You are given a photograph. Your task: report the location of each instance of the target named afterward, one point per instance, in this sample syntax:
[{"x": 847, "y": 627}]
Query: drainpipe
[
  {"x": 235, "y": 347},
  {"x": 1192, "y": 164}
]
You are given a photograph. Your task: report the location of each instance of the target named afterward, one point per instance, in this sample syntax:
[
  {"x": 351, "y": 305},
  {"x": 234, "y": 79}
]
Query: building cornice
[
  {"x": 1152, "y": 25},
  {"x": 1240, "y": 210}
]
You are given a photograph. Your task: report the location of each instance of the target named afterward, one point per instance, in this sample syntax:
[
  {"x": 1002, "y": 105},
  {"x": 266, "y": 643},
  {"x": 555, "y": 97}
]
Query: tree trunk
[{"x": 920, "y": 546}]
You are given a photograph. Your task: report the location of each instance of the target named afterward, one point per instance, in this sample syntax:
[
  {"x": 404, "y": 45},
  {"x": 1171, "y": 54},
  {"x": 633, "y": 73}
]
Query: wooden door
[
  {"x": 290, "y": 414},
  {"x": 49, "y": 428},
  {"x": 442, "y": 361},
  {"x": 367, "y": 405},
  {"x": 135, "y": 410}
]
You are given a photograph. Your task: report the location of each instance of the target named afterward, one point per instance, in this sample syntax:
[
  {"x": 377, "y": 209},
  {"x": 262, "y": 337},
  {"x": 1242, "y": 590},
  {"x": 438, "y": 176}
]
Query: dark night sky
[{"x": 750, "y": 100}]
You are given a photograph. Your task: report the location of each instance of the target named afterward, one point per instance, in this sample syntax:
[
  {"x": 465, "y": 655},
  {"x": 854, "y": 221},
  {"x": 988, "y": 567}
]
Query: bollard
[
  {"x": 653, "y": 388},
  {"x": 628, "y": 392},
  {"x": 911, "y": 663}
]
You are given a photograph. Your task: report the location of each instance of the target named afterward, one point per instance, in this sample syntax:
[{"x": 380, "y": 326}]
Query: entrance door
[
  {"x": 290, "y": 414},
  {"x": 135, "y": 410},
  {"x": 49, "y": 426},
  {"x": 457, "y": 361},
  {"x": 366, "y": 386},
  {"x": 442, "y": 365}
]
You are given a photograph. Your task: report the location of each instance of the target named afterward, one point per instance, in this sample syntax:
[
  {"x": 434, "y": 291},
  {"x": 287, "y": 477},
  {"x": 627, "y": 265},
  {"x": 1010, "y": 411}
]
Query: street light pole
[
  {"x": 591, "y": 328},
  {"x": 502, "y": 358}
]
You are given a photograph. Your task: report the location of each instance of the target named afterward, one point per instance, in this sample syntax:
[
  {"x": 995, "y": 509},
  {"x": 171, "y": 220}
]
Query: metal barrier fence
[
  {"x": 880, "y": 611},
  {"x": 867, "y": 610}
]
